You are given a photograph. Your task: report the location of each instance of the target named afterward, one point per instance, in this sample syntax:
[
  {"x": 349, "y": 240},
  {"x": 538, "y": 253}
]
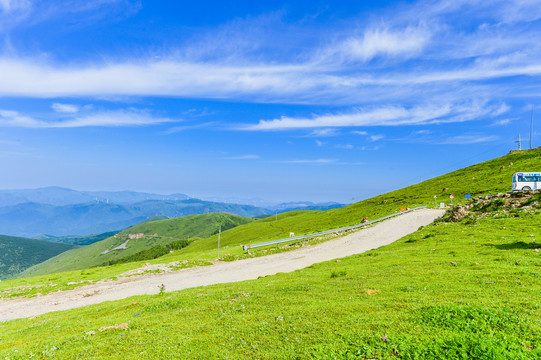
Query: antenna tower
[{"x": 531, "y": 130}]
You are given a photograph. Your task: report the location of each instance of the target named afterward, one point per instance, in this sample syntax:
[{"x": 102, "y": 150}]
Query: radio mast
[{"x": 531, "y": 130}]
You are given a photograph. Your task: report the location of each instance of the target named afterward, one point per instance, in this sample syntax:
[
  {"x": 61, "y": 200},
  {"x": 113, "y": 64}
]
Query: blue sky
[{"x": 279, "y": 100}]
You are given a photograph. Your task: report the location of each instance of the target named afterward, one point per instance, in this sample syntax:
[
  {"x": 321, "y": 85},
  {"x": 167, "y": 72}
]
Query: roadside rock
[{"x": 459, "y": 212}]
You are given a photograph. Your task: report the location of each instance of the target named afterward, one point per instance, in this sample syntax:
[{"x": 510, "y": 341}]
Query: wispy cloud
[
  {"x": 12, "y": 5},
  {"x": 344, "y": 146},
  {"x": 376, "y": 137},
  {"x": 503, "y": 122},
  {"x": 26, "y": 13},
  {"x": 356, "y": 132},
  {"x": 243, "y": 157},
  {"x": 100, "y": 119},
  {"x": 381, "y": 116},
  {"x": 309, "y": 161},
  {"x": 177, "y": 129},
  {"x": 469, "y": 139},
  {"x": 323, "y": 132},
  {"x": 381, "y": 41},
  {"x": 65, "y": 108}
]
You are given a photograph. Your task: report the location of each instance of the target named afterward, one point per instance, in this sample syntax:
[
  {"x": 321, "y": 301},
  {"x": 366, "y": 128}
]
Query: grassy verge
[{"x": 462, "y": 290}]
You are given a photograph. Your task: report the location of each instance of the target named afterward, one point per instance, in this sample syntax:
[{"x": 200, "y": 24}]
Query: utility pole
[
  {"x": 219, "y": 233},
  {"x": 519, "y": 142}
]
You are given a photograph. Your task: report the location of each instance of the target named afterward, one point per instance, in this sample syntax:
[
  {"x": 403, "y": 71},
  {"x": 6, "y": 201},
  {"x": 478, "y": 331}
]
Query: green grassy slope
[
  {"x": 76, "y": 239},
  {"x": 18, "y": 254},
  {"x": 485, "y": 178},
  {"x": 451, "y": 290},
  {"x": 156, "y": 233}
]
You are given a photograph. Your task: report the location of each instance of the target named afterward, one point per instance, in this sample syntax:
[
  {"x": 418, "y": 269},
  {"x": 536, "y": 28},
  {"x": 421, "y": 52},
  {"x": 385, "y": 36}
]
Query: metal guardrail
[{"x": 309, "y": 236}]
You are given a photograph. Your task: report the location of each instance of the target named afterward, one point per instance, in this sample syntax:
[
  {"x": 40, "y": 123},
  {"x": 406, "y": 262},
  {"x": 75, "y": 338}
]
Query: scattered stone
[
  {"x": 91, "y": 333},
  {"x": 459, "y": 212},
  {"x": 453, "y": 263},
  {"x": 384, "y": 338}
]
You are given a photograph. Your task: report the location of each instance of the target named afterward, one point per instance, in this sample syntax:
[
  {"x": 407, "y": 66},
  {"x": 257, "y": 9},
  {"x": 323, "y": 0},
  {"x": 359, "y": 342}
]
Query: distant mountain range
[
  {"x": 58, "y": 211},
  {"x": 61, "y": 196}
]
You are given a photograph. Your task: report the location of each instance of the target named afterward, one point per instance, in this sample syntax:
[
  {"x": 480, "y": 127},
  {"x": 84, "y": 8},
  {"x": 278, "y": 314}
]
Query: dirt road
[{"x": 223, "y": 272}]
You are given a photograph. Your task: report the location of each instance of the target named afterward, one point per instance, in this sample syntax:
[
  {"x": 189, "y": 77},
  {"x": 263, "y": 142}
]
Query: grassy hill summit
[
  {"x": 490, "y": 177},
  {"x": 140, "y": 242},
  {"x": 18, "y": 254}
]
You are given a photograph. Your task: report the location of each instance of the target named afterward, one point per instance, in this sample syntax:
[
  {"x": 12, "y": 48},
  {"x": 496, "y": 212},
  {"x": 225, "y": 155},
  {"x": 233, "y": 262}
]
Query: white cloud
[
  {"x": 323, "y": 132},
  {"x": 501, "y": 110},
  {"x": 319, "y": 143},
  {"x": 104, "y": 119},
  {"x": 374, "y": 42},
  {"x": 376, "y": 137},
  {"x": 309, "y": 161},
  {"x": 5, "y": 5},
  {"x": 469, "y": 139},
  {"x": 65, "y": 108},
  {"x": 381, "y": 116},
  {"x": 502, "y": 122},
  {"x": 243, "y": 157},
  {"x": 12, "y": 5},
  {"x": 359, "y": 132},
  {"x": 177, "y": 129},
  {"x": 344, "y": 146}
]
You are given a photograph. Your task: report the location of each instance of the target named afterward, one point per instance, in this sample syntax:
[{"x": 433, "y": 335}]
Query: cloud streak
[
  {"x": 120, "y": 118},
  {"x": 380, "y": 116},
  {"x": 243, "y": 157},
  {"x": 65, "y": 108}
]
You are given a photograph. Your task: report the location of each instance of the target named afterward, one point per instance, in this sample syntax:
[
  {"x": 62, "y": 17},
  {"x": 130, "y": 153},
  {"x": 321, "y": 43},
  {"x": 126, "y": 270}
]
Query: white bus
[{"x": 527, "y": 181}]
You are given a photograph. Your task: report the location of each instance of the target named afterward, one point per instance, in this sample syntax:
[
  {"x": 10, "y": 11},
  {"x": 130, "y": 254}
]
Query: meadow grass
[{"x": 451, "y": 290}]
